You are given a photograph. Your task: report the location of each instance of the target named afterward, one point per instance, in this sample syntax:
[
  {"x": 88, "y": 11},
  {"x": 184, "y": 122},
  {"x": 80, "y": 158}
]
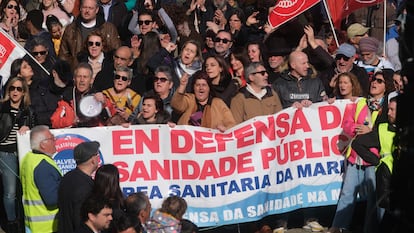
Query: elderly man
[
  {"x": 40, "y": 178},
  {"x": 68, "y": 112},
  {"x": 344, "y": 62},
  {"x": 138, "y": 205},
  {"x": 370, "y": 61},
  {"x": 122, "y": 58},
  {"x": 76, "y": 33},
  {"x": 76, "y": 186},
  {"x": 257, "y": 98},
  {"x": 296, "y": 87},
  {"x": 355, "y": 32}
]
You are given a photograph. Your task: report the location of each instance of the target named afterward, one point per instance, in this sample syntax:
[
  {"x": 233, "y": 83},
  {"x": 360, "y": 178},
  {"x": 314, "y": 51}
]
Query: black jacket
[
  {"x": 290, "y": 89},
  {"x": 25, "y": 116}
]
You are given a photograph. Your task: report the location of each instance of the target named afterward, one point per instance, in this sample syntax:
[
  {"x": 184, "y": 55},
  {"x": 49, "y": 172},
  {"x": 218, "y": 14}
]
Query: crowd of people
[{"x": 213, "y": 64}]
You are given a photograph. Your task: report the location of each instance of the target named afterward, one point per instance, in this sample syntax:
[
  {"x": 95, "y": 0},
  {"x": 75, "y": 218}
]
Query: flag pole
[
  {"x": 385, "y": 28},
  {"x": 17, "y": 44},
  {"x": 330, "y": 22}
]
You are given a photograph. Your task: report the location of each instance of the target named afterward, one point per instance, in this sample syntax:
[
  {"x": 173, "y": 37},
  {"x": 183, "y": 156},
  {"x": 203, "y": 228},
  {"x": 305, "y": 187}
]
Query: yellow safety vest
[
  {"x": 360, "y": 105},
  {"x": 38, "y": 217},
  {"x": 386, "y": 139}
]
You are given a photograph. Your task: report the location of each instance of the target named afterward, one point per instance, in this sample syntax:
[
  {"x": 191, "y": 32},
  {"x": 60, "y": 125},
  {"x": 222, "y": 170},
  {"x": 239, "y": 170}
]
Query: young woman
[
  {"x": 346, "y": 87},
  {"x": 9, "y": 17},
  {"x": 43, "y": 101},
  {"x": 16, "y": 118},
  {"x": 223, "y": 85},
  {"x": 255, "y": 51},
  {"x": 106, "y": 185},
  {"x": 239, "y": 60}
]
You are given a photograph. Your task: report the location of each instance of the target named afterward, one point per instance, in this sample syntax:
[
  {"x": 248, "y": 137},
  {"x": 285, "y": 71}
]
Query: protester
[
  {"x": 370, "y": 60},
  {"x": 9, "y": 18},
  {"x": 122, "y": 97},
  {"x": 138, "y": 207},
  {"x": 167, "y": 218},
  {"x": 40, "y": 178},
  {"x": 16, "y": 118},
  {"x": 257, "y": 98},
  {"x": 68, "y": 114},
  {"x": 76, "y": 186},
  {"x": 75, "y": 33},
  {"x": 200, "y": 107},
  {"x": 96, "y": 215},
  {"x": 309, "y": 91},
  {"x": 106, "y": 186},
  {"x": 359, "y": 178}
]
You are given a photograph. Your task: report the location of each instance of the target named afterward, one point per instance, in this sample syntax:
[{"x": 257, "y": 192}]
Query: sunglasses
[
  {"x": 225, "y": 41},
  {"x": 13, "y": 6},
  {"x": 263, "y": 72},
  {"x": 380, "y": 81},
  {"x": 146, "y": 22},
  {"x": 13, "y": 88},
  {"x": 341, "y": 56},
  {"x": 162, "y": 79},
  {"x": 97, "y": 43},
  {"x": 42, "y": 53},
  {"x": 124, "y": 78}
]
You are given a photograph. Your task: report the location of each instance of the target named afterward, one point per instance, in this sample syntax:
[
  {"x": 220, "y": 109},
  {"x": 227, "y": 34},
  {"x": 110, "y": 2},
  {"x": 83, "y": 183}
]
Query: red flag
[
  {"x": 340, "y": 9},
  {"x": 9, "y": 51},
  {"x": 286, "y": 10}
]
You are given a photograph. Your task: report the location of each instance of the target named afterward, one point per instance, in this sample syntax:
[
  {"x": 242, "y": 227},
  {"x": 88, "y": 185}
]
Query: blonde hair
[{"x": 26, "y": 94}]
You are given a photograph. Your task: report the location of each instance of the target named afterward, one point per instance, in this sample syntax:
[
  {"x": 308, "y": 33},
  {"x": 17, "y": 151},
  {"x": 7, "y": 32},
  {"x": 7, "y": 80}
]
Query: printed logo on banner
[
  {"x": 6, "y": 47},
  {"x": 287, "y": 8},
  {"x": 65, "y": 143}
]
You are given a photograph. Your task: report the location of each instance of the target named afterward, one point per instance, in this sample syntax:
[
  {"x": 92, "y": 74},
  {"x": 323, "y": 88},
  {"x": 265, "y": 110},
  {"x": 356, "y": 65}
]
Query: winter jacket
[{"x": 73, "y": 43}]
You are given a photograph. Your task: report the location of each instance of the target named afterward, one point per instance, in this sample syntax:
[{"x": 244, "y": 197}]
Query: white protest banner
[{"x": 266, "y": 165}]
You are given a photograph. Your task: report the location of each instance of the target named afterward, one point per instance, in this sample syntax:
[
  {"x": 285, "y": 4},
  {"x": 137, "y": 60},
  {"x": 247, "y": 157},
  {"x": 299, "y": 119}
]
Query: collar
[
  {"x": 90, "y": 24},
  {"x": 99, "y": 59}
]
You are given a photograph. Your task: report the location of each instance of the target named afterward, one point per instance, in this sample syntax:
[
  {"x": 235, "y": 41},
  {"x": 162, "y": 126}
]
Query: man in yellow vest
[{"x": 40, "y": 178}]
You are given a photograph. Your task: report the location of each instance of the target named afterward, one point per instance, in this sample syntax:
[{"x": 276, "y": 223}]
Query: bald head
[
  {"x": 123, "y": 57},
  {"x": 299, "y": 64}
]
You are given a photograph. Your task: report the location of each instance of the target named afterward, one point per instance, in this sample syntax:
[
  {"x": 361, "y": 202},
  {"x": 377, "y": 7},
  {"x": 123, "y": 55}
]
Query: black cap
[{"x": 85, "y": 150}]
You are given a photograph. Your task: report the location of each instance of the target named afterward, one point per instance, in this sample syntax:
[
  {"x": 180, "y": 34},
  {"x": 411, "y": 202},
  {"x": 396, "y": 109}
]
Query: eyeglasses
[
  {"x": 53, "y": 138},
  {"x": 91, "y": 43},
  {"x": 13, "y": 6},
  {"x": 146, "y": 22},
  {"x": 41, "y": 53},
  {"x": 263, "y": 72},
  {"x": 124, "y": 78},
  {"x": 380, "y": 81},
  {"x": 224, "y": 40},
  {"x": 341, "y": 56},
  {"x": 162, "y": 79},
  {"x": 13, "y": 88}
]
